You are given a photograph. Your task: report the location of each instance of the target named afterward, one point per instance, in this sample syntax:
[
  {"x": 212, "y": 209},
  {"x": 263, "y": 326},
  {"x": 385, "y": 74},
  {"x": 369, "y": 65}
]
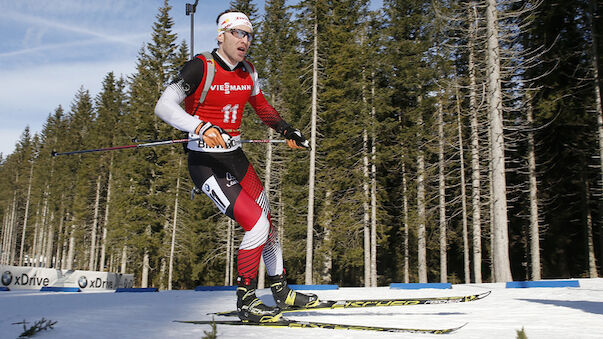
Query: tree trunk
[
  {"x": 325, "y": 274},
  {"x": 475, "y": 155},
  {"x": 366, "y": 230},
  {"x": 442, "y": 197},
  {"x": 421, "y": 210},
  {"x": 174, "y": 225},
  {"x": 534, "y": 224},
  {"x": 34, "y": 247},
  {"x": 5, "y": 233},
  {"x": 124, "y": 259},
  {"x": 12, "y": 231},
  {"x": 163, "y": 261},
  {"x": 7, "y": 236},
  {"x": 406, "y": 230},
  {"x": 590, "y": 245},
  {"x": 12, "y": 250},
  {"x": 466, "y": 258},
  {"x": 65, "y": 249},
  {"x": 60, "y": 236},
  {"x": 365, "y": 205},
  {"x": 49, "y": 242},
  {"x": 310, "y": 218},
  {"x": 71, "y": 251},
  {"x": 44, "y": 223},
  {"x": 500, "y": 236},
  {"x": 3, "y": 242},
  {"x": 373, "y": 194},
  {"x": 26, "y": 214},
  {"x": 598, "y": 107},
  {"x": 144, "y": 281},
  {"x": 92, "y": 260},
  {"x": 491, "y": 211},
  {"x": 101, "y": 266}
]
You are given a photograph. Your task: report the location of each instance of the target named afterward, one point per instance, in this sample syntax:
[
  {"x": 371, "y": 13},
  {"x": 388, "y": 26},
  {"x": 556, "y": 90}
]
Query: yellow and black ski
[
  {"x": 284, "y": 322},
  {"x": 340, "y": 304}
]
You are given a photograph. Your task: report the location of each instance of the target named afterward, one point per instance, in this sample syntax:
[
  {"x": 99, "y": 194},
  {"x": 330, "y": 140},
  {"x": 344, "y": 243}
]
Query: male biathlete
[{"x": 217, "y": 164}]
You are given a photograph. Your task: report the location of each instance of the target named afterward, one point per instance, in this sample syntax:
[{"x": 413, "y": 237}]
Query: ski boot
[
  {"x": 249, "y": 307},
  {"x": 288, "y": 298}
]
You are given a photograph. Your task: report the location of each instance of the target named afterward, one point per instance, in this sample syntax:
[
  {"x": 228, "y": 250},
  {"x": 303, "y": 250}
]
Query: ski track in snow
[{"x": 541, "y": 312}]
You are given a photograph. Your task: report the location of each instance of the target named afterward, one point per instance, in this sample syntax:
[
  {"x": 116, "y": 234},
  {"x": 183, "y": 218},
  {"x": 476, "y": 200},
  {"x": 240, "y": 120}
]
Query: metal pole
[
  {"x": 190, "y": 10},
  {"x": 114, "y": 148}
]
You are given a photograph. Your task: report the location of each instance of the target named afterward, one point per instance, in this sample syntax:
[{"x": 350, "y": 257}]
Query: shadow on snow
[{"x": 586, "y": 306}]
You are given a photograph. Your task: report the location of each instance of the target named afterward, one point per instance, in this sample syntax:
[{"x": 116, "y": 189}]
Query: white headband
[{"x": 231, "y": 20}]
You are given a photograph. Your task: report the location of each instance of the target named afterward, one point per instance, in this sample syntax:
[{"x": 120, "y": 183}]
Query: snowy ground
[{"x": 542, "y": 312}]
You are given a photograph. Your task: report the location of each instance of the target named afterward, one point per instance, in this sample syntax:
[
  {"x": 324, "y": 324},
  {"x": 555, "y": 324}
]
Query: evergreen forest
[{"x": 452, "y": 141}]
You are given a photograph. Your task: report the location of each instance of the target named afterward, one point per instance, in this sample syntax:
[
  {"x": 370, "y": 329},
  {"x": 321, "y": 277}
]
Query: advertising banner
[{"x": 25, "y": 277}]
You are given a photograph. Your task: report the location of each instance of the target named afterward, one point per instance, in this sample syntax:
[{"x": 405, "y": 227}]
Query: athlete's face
[{"x": 234, "y": 44}]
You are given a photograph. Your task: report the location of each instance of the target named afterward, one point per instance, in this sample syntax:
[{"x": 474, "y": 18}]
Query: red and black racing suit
[{"x": 225, "y": 175}]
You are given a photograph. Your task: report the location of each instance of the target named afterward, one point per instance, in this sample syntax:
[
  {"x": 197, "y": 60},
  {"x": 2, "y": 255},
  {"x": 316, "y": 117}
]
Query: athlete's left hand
[{"x": 295, "y": 139}]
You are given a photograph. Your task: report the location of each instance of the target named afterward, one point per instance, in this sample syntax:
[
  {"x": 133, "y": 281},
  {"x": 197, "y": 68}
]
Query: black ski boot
[
  {"x": 286, "y": 297},
  {"x": 249, "y": 307}
]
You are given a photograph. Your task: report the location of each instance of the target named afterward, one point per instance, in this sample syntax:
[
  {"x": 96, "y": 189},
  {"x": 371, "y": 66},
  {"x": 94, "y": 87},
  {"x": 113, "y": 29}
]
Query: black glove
[{"x": 295, "y": 135}]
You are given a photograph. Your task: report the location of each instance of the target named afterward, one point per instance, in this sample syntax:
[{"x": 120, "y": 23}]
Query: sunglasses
[{"x": 239, "y": 33}]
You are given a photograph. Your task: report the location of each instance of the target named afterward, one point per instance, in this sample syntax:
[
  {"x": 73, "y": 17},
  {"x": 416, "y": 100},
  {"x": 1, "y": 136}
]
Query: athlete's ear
[{"x": 221, "y": 38}]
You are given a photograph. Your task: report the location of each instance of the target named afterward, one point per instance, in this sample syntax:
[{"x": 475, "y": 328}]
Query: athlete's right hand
[{"x": 212, "y": 135}]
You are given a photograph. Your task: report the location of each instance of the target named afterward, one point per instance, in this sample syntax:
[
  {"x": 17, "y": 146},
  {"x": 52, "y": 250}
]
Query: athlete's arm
[
  {"x": 270, "y": 117},
  {"x": 169, "y": 110},
  {"x": 267, "y": 113}
]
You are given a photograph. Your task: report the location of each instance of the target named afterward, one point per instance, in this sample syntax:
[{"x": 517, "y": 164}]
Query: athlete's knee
[{"x": 258, "y": 234}]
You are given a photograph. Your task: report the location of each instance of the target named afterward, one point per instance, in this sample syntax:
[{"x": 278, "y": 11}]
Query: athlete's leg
[
  {"x": 217, "y": 174},
  {"x": 209, "y": 172},
  {"x": 232, "y": 183},
  {"x": 272, "y": 253}
]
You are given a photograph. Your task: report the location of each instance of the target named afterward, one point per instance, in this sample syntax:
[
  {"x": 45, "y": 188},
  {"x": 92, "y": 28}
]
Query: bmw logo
[
  {"x": 7, "y": 278},
  {"x": 82, "y": 282}
]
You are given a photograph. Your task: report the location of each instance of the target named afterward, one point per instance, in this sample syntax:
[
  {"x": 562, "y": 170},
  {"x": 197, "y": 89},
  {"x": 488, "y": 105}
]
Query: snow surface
[{"x": 542, "y": 312}]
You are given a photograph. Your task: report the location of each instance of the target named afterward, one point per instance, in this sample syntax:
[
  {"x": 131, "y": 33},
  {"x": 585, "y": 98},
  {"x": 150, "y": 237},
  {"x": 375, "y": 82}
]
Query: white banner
[{"x": 25, "y": 277}]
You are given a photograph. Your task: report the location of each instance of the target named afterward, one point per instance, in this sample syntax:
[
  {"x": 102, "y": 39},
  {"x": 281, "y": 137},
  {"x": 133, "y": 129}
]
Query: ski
[
  {"x": 339, "y": 304},
  {"x": 284, "y": 322}
]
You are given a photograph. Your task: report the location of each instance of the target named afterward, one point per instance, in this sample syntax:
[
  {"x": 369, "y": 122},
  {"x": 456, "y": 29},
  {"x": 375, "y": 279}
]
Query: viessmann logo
[{"x": 227, "y": 88}]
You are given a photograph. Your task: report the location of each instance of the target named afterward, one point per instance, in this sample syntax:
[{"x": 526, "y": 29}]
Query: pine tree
[
  {"x": 407, "y": 28},
  {"x": 110, "y": 107},
  {"x": 83, "y": 190},
  {"x": 565, "y": 131},
  {"x": 58, "y": 189},
  {"x": 274, "y": 43},
  {"x": 146, "y": 217}
]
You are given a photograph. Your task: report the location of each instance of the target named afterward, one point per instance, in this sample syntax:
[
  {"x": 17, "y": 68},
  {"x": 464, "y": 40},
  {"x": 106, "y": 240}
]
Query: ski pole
[
  {"x": 262, "y": 141},
  {"x": 243, "y": 141},
  {"x": 149, "y": 144},
  {"x": 153, "y": 143}
]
